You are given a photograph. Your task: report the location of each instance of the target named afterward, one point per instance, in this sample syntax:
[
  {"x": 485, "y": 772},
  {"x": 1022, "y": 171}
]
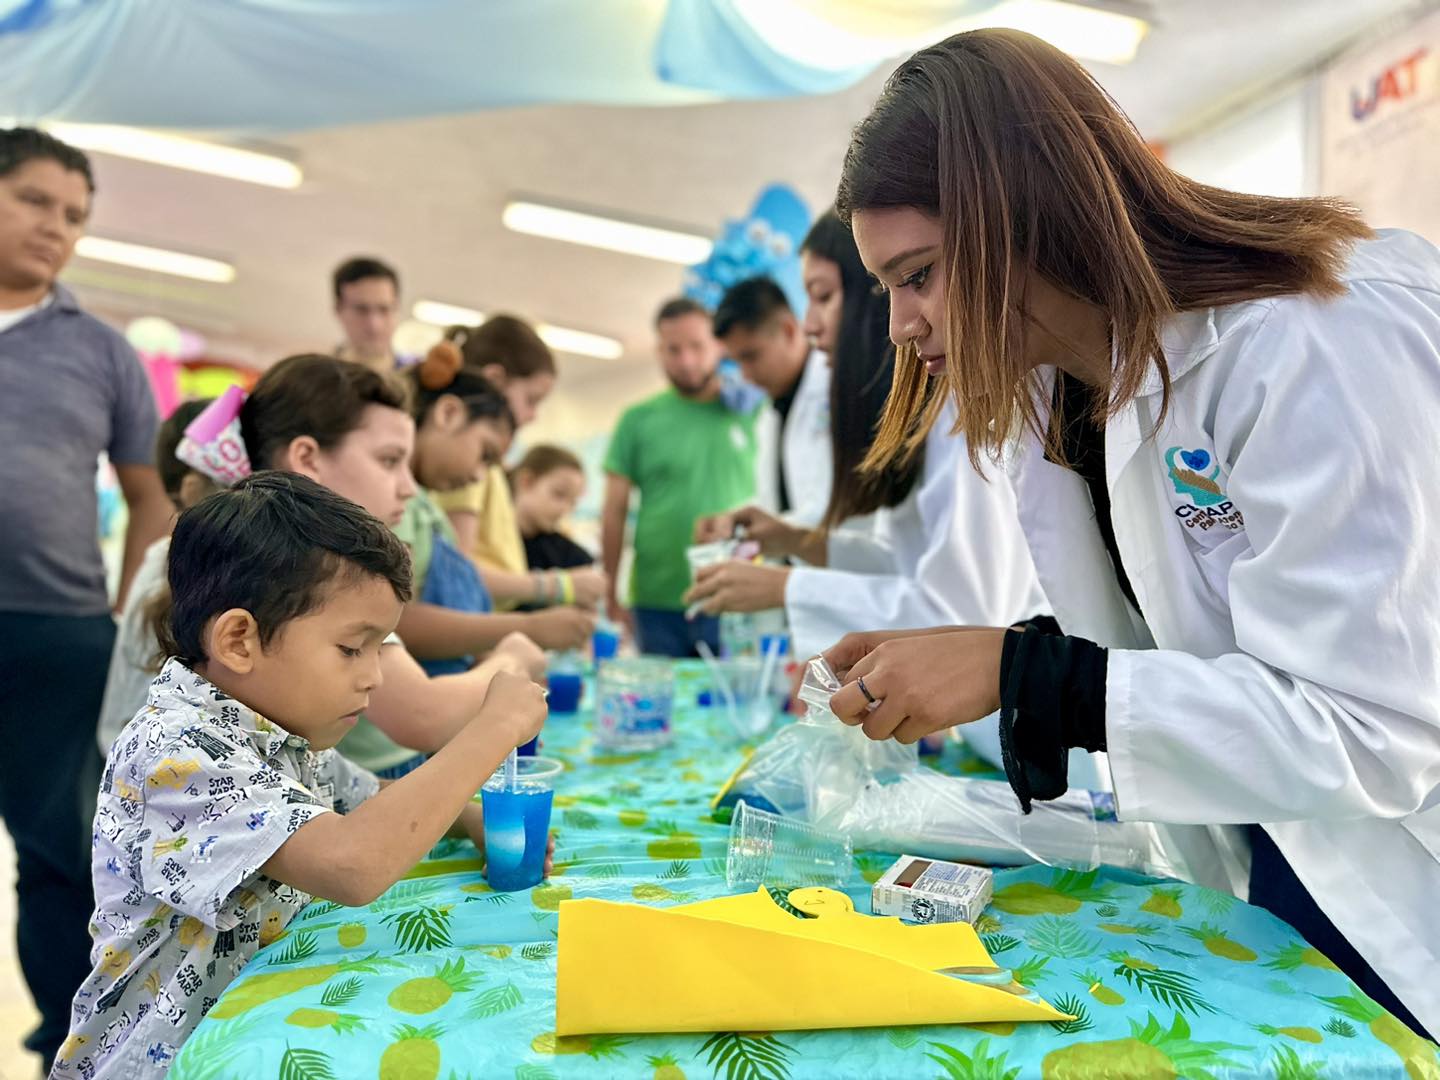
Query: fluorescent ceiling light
[
  {"x": 612, "y": 234},
  {"x": 840, "y": 37},
  {"x": 437, "y": 314},
  {"x": 560, "y": 338},
  {"x": 1088, "y": 33},
  {"x": 159, "y": 260},
  {"x": 180, "y": 152}
]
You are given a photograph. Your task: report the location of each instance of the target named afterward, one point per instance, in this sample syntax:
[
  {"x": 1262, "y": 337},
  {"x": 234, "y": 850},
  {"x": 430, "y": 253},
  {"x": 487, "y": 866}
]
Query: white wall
[{"x": 1265, "y": 147}]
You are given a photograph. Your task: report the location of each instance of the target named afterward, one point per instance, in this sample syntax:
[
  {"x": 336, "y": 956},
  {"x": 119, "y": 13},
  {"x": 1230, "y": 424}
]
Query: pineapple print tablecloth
[{"x": 443, "y": 978}]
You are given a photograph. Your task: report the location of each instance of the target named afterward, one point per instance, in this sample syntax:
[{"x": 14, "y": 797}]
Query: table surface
[{"x": 443, "y": 977}]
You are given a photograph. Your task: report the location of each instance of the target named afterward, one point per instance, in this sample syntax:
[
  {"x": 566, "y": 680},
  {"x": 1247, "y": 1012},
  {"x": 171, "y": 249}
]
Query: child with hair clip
[
  {"x": 515, "y": 361},
  {"x": 463, "y": 427},
  {"x": 349, "y": 428},
  {"x": 223, "y": 810}
]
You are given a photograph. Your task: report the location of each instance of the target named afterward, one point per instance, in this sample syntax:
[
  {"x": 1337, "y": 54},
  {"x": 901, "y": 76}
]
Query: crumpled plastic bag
[{"x": 832, "y": 775}]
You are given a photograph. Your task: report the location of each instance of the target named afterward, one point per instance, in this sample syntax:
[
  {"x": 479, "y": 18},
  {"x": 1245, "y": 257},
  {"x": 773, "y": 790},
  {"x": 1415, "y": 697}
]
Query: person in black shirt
[{"x": 547, "y": 484}]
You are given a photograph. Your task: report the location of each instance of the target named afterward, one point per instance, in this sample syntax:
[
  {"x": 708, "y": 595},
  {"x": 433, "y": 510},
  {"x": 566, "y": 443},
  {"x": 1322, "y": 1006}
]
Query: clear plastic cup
[
  {"x": 634, "y": 704},
  {"x": 517, "y": 823},
  {"x": 767, "y": 849},
  {"x": 748, "y": 707}
]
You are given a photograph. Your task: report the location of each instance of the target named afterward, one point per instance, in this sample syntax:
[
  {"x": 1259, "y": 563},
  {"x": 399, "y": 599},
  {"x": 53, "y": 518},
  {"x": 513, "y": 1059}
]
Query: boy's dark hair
[
  {"x": 749, "y": 305},
  {"x": 21, "y": 144},
  {"x": 361, "y": 268},
  {"x": 273, "y": 545},
  {"x": 171, "y": 469},
  {"x": 507, "y": 341},
  {"x": 678, "y": 307},
  {"x": 319, "y": 396}
]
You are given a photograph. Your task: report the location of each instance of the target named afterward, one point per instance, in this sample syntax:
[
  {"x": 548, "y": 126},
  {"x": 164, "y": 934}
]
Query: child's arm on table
[
  {"x": 424, "y": 714},
  {"x": 353, "y": 858},
  {"x": 432, "y": 632}
]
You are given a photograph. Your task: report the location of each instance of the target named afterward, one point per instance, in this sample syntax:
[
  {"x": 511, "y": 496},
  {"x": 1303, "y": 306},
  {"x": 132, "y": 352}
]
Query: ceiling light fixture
[
  {"x": 580, "y": 342},
  {"x": 611, "y": 234},
  {"x": 181, "y": 152},
  {"x": 437, "y": 314},
  {"x": 560, "y": 338},
  {"x": 141, "y": 257},
  {"x": 1108, "y": 31},
  {"x": 1086, "y": 33}
]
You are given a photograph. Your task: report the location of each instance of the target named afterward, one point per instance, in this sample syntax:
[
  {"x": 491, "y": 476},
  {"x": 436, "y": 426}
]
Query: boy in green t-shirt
[{"x": 688, "y": 454}]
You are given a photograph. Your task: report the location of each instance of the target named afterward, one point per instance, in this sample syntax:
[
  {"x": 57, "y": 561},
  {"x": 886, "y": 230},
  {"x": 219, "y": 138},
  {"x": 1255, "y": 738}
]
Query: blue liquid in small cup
[
  {"x": 517, "y": 827},
  {"x": 604, "y": 644},
  {"x": 566, "y": 689}
]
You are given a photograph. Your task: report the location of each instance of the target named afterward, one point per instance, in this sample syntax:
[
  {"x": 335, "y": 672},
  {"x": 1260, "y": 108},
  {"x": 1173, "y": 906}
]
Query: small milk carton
[{"x": 930, "y": 890}]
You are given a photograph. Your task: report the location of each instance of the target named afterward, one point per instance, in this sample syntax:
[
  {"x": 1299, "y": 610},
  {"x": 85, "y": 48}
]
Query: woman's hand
[
  {"x": 922, "y": 684},
  {"x": 850, "y": 649},
  {"x": 777, "y": 539},
  {"x": 738, "y": 586}
]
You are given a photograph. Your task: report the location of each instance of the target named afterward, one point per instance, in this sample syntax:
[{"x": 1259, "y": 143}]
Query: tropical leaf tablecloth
[{"x": 444, "y": 978}]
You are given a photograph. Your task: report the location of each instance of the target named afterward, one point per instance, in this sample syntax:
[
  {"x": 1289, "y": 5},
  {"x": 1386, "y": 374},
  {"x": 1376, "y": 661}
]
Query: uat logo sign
[{"x": 1396, "y": 83}]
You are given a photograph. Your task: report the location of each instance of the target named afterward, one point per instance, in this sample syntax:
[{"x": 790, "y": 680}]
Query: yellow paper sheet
[{"x": 742, "y": 964}]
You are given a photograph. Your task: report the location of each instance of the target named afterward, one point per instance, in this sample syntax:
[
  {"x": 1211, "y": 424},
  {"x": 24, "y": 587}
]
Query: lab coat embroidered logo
[
  {"x": 1196, "y": 476},
  {"x": 1189, "y": 479}
]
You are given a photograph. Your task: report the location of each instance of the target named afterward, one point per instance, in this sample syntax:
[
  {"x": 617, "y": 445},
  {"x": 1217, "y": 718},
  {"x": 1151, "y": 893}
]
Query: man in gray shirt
[{"x": 70, "y": 388}]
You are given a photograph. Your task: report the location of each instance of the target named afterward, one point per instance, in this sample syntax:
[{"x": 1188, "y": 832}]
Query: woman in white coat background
[
  {"x": 921, "y": 541},
  {"x": 1221, "y": 414}
]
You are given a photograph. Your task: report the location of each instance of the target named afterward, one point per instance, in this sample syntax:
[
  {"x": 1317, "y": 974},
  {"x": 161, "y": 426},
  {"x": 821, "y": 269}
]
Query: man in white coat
[{"x": 761, "y": 333}]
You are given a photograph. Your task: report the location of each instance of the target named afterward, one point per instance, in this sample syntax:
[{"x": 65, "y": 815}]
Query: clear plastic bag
[
  {"x": 833, "y": 776},
  {"x": 814, "y": 768}
]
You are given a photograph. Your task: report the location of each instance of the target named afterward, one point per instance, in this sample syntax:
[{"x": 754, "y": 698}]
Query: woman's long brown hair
[{"x": 1029, "y": 165}]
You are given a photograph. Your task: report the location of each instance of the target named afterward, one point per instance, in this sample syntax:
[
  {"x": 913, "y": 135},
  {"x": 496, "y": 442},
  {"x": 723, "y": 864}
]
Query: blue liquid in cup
[
  {"x": 604, "y": 644},
  {"x": 517, "y": 826},
  {"x": 565, "y": 691}
]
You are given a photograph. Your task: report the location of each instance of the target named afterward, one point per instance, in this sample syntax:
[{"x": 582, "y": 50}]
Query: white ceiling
[{"x": 427, "y": 195}]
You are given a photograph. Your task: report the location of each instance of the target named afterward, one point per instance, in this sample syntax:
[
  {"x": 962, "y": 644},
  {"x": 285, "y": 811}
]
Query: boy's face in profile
[{"x": 315, "y": 676}]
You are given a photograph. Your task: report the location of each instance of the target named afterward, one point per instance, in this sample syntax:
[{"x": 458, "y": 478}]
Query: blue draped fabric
[{"x": 255, "y": 66}]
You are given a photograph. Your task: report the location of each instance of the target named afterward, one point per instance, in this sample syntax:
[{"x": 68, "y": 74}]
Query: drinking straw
[
  {"x": 761, "y": 706},
  {"x": 722, "y": 683},
  {"x": 512, "y": 769}
]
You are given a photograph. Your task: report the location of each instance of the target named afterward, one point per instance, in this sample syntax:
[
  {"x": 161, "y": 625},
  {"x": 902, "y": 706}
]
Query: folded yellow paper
[{"x": 741, "y": 963}]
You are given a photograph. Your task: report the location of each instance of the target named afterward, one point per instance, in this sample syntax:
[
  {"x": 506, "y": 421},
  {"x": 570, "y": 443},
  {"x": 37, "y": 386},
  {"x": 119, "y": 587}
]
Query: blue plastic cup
[
  {"x": 604, "y": 644},
  {"x": 517, "y": 824},
  {"x": 566, "y": 689}
]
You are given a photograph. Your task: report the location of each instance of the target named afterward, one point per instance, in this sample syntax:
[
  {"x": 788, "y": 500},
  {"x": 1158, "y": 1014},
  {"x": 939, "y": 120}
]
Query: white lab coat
[
  {"x": 952, "y": 552},
  {"x": 1281, "y": 531},
  {"x": 805, "y": 455}
]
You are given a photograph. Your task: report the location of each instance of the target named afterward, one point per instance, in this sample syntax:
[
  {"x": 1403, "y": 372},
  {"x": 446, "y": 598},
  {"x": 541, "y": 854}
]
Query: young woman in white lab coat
[
  {"x": 922, "y": 541},
  {"x": 1243, "y": 547}
]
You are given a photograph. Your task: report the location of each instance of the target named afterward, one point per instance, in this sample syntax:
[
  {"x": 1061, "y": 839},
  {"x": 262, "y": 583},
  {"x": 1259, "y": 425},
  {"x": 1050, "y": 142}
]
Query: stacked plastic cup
[{"x": 767, "y": 849}]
